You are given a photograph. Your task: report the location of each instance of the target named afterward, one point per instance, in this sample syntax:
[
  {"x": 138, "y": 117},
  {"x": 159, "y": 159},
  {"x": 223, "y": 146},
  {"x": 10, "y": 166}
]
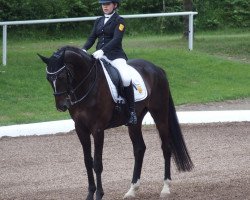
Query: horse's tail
[{"x": 178, "y": 146}]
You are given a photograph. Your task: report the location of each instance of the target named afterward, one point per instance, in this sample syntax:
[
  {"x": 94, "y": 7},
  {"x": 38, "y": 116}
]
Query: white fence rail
[
  {"x": 45, "y": 21},
  {"x": 184, "y": 117}
]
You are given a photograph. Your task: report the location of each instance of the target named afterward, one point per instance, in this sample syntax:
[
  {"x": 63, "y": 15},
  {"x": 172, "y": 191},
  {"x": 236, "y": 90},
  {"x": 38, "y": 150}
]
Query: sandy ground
[
  {"x": 240, "y": 104},
  {"x": 51, "y": 166}
]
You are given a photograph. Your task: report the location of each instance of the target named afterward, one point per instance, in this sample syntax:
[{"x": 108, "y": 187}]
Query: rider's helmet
[
  {"x": 107, "y": 1},
  {"x": 110, "y": 1}
]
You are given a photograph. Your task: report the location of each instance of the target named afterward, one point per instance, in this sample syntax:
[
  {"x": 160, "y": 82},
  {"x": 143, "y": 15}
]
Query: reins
[{"x": 72, "y": 92}]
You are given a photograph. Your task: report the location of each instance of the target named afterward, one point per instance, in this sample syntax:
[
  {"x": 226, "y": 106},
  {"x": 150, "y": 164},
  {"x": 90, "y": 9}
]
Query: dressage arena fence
[{"x": 46, "y": 21}]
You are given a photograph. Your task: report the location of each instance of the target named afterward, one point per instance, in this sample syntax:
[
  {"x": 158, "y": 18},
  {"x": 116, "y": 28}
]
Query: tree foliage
[
  {"x": 213, "y": 14},
  {"x": 224, "y": 13}
]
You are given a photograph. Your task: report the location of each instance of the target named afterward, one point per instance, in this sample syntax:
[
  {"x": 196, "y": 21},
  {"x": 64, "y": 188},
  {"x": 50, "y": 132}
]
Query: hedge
[{"x": 213, "y": 14}]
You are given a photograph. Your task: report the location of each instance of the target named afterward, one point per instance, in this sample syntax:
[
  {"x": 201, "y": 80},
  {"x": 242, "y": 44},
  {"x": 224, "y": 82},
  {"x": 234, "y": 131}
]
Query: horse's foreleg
[
  {"x": 98, "y": 167},
  {"x": 88, "y": 160},
  {"x": 139, "y": 150}
]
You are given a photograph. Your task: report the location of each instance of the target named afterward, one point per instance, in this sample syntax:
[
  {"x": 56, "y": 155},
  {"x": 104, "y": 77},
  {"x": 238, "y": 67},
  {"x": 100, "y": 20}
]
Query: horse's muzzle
[{"x": 63, "y": 105}]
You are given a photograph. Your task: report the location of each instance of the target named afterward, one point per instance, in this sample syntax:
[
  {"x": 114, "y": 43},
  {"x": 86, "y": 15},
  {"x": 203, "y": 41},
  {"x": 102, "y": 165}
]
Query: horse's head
[
  {"x": 64, "y": 75},
  {"x": 58, "y": 75}
]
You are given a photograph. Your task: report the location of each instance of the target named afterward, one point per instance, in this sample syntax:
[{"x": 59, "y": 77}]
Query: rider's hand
[
  {"x": 84, "y": 50},
  {"x": 98, "y": 54}
]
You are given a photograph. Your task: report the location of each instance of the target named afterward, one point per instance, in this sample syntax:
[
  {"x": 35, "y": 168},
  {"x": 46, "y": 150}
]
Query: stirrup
[{"x": 132, "y": 119}]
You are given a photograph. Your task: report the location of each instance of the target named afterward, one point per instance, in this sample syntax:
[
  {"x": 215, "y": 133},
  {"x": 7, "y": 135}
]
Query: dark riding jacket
[{"x": 109, "y": 37}]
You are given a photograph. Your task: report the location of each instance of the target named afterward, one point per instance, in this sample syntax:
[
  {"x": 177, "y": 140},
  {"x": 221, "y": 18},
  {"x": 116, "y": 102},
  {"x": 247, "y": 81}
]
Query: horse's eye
[
  {"x": 51, "y": 78},
  {"x": 48, "y": 78}
]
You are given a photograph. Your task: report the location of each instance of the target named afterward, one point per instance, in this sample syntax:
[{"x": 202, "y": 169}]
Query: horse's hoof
[
  {"x": 129, "y": 195},
  {"x": 164, "y": 194},
  {"x": 166, "y": 189},
  {"x": 99, "y": 195},
  {"x": 90, "y": 197}
]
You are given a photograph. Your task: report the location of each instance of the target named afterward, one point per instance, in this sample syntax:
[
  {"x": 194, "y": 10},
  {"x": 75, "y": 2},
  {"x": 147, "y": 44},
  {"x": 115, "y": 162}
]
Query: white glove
[
  {"x": 98, "y": 54},
  {"x": 84, "y": 50}
]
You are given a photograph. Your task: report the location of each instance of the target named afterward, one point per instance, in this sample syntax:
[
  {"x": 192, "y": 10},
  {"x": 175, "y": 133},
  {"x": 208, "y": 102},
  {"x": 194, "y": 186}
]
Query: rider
[{"x": 109, "y": 29}]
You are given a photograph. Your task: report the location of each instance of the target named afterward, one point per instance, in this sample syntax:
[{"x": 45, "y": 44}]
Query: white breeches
[{"x": 122, "y": 67}]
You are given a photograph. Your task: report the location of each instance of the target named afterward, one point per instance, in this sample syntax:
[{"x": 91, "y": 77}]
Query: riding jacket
[{"x": 109, "y": 37}]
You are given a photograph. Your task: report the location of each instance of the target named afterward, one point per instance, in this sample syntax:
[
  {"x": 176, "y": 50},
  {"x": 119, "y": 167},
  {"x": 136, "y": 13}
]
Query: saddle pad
[{"x": 140, "y": 89}]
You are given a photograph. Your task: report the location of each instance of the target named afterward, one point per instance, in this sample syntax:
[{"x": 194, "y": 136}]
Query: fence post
[
  {"x": 4, "y": 45},
  {"x": 190, "y": 31}
]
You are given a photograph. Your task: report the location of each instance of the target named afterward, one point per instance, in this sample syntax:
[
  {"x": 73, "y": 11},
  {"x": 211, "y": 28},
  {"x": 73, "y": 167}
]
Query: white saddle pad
[{"x": 140, "y": 89}]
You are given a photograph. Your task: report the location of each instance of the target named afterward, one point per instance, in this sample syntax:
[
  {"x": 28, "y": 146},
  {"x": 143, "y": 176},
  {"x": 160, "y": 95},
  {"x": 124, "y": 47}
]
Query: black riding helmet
[
  {"x": 107, "y": 1},
  {"x": 111, "y": 1}
]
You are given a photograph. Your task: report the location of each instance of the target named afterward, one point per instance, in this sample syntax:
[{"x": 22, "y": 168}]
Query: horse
[{"x": 80, "y": 86}]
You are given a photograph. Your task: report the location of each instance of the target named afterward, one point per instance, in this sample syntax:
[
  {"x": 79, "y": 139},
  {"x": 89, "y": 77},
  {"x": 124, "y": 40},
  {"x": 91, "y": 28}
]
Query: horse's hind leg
[
  {"x": 139, "y": 148},
  {"x": 163, "y": 128},
  {"x": 159, "y": 115}
]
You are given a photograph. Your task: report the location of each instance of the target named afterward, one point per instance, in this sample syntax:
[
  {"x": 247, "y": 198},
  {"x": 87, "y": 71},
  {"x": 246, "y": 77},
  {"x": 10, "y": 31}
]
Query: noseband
[{"x": 71, "y": 92}]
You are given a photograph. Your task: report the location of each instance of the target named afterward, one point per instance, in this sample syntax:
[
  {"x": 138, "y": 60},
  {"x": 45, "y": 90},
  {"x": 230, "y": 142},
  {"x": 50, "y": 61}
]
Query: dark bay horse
[{"x": 80, "y": 86}]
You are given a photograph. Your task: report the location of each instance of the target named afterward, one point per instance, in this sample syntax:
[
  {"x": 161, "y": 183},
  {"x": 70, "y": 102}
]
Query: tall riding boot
[{"x": 129, "y": 94}]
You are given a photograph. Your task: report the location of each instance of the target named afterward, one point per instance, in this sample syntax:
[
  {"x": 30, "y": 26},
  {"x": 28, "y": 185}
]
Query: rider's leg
[
  {"x": 129, "y": 92},
  {"x": 122, "y": 67}
]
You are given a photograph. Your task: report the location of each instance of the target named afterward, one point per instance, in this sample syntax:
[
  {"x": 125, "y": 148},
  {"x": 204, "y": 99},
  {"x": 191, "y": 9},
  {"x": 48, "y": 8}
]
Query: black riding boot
[{"x": 129, "y": 95}]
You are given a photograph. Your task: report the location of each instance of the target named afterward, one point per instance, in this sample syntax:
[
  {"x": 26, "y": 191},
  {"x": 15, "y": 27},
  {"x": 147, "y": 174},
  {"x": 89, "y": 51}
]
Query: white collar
[{"x": 109, "y": 16}]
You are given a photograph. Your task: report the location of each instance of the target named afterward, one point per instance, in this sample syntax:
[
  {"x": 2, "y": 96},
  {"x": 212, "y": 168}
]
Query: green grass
[{"x": 217, "y": 69}]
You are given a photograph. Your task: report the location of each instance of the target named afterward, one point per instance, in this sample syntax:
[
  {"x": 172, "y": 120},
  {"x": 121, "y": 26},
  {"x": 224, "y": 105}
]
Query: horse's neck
[
  {"x": 76, "y": 55},
  {"x": 81, "y": 62}
]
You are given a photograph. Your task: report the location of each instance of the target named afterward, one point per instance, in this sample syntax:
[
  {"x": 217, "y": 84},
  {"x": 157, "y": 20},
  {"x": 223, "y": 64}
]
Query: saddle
[
  {"x": 115, "y": 77},
  {"x": 114, "y": 80}
]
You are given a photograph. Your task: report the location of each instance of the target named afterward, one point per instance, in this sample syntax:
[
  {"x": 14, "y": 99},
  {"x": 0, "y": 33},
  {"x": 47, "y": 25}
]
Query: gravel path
[{"x": 51, "y": 166}]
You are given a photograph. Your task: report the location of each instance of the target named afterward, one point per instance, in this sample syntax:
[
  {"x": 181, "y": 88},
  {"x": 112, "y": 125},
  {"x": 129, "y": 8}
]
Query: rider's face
[{"x": 108, "y": 7}]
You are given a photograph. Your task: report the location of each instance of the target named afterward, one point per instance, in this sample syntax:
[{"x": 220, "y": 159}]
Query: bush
[{"x": 213, "y": 14}]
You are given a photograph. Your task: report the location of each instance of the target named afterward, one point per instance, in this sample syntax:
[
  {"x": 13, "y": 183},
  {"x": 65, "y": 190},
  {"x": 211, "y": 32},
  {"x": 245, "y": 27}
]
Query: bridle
[{"x": 70, "y": 91}]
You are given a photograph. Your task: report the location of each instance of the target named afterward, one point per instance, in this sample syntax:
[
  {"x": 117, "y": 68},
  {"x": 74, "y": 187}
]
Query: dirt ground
[
  {"x": 239, "y": 104},
  {"x": 51, "y": 167}
]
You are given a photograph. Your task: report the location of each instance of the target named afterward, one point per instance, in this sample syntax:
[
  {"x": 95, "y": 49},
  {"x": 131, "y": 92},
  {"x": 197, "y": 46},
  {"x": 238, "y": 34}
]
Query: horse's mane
[
  {"x": 68, "y": 47},
  {"x": 74, "y": 49},
  {"x": 84, "y": 56}
]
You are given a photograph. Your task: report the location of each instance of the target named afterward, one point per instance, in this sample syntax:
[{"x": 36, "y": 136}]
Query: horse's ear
[
  {"x": 44, "y": 59},
  {"x": 92, "y": 57},
  {"x": 62, "y": 56}
]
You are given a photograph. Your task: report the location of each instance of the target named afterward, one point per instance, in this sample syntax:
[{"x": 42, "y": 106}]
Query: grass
[{"x": 217, "y": 69}]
